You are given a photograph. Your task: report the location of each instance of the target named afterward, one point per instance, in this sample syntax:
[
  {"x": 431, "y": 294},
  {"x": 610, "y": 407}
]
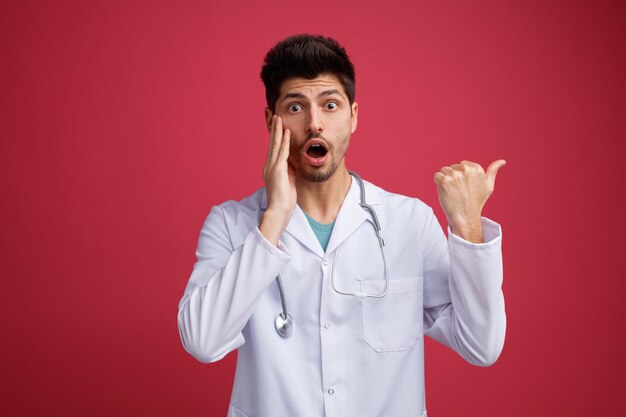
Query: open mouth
[{"x": 316, "y": 149}]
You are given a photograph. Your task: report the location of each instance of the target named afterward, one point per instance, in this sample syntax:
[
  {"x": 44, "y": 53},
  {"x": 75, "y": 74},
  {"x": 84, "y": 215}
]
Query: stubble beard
[
  {"x": 323, "y": 173},
  {"x": 318, "y": 175}
]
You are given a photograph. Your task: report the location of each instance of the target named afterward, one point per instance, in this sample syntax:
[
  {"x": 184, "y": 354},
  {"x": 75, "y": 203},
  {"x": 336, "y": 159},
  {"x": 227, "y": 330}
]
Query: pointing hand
[{"x": 463, "y": 191}]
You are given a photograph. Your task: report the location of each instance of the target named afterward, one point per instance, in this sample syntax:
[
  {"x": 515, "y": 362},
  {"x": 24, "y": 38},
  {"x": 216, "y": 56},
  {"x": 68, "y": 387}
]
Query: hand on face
[
  {"x": 463, "y": 191},
  {"x": 280, "y": 183},
  {"x": 321, "y": 119}
]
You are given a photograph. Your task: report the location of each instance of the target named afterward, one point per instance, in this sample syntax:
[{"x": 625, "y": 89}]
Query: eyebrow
[{"x": 300, "y": 95}]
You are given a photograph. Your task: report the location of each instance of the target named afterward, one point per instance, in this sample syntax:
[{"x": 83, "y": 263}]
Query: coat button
[
  {"x": 331, "y": 391},
  {"x": 325, "y": 262},
  {"x": 326, "y": 325}
]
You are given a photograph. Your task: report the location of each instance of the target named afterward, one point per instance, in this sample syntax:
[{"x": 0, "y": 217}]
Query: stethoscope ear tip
[{"x": 285, "y": 326}]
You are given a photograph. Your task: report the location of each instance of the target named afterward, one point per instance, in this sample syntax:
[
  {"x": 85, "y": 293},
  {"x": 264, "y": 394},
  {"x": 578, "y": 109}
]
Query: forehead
[{"x": 311, "y": 87}]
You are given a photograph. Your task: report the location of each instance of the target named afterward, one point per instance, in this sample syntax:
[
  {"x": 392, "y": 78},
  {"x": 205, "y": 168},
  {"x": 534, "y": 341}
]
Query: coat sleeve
[
  {"x": 463, "y": 300},
  {"x": 224, "y": 288}
]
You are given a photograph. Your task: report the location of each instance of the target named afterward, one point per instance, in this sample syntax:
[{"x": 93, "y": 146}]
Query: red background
[{"x": 122, "y": 123}]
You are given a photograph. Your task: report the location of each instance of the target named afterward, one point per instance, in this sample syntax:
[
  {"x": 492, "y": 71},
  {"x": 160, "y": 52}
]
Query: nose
[{"x": 314, "y": 121}]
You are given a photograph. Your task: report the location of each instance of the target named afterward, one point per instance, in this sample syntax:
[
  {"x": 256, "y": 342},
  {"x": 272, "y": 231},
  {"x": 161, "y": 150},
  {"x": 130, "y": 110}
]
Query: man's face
[{"x": 321, "y": 120}]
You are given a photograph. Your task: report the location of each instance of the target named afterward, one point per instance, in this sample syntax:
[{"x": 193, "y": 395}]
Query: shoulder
[
  {"x": 248, "y": 206},
  {"x": 234, "y": 220}
]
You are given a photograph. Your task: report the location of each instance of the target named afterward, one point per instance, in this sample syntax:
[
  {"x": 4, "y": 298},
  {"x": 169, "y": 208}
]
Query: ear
[
  {"x": 268, "y": 118},
  {"x": 354, "y": 117}
]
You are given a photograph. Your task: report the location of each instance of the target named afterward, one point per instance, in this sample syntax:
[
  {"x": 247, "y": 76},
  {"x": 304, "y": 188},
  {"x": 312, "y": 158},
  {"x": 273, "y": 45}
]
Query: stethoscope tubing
[{"x": 284, "y": 323}]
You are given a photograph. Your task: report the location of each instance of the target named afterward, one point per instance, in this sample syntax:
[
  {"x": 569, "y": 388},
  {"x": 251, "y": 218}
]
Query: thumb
[{"x": 492, "y": 170}]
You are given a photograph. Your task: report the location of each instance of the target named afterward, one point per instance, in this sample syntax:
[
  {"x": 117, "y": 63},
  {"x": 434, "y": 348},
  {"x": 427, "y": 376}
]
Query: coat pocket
[{"x": 394, "y": 322}]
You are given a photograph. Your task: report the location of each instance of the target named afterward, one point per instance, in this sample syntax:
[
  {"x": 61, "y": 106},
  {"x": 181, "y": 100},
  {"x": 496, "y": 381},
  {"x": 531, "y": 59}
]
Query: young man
[{"x": 341, "y": 334}]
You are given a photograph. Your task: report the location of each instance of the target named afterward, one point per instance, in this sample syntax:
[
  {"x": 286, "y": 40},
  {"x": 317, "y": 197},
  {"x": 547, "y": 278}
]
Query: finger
[
  {"x": 465, "y": 162},
  {"x": 446, "y": 170},
  {"x": 472, "y": 165},
  {"x": 277, "y": 136},
  {"x": 291, "y": 170},
  {"x": 438, "y": 177},
  {"x": 284, "y": 147},
  {"x": 271, "y": 144},
  {"x": 492, "y": 170}
]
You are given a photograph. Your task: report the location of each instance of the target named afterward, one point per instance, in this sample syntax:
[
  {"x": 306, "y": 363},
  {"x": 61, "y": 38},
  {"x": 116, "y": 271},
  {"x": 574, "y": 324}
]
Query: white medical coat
[{"x": 347, "y": 356}]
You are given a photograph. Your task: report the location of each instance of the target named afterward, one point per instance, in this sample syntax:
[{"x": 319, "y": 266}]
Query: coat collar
[
  {"x": 351, "y": 215},
  {"x": 349, "y": 218}
]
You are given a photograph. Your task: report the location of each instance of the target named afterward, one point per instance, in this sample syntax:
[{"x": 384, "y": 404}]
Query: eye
[
  {"x": 294, "y": 108},
  {"x": 331, "y": 105}
]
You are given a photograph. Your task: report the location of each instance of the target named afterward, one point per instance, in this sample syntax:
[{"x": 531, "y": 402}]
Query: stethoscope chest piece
[
  {"x": 284, "y": 322},
  {"x": 285, "y": 326}
]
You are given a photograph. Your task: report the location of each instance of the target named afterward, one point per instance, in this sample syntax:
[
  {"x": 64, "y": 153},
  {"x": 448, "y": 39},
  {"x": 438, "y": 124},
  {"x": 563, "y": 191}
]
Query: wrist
[
  {"x": 273, "y": 223},
  {"x": 470, "y": 230}
]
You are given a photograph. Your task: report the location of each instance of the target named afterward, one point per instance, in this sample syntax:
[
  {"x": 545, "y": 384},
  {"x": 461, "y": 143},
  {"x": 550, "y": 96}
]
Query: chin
[{"x": 320, "y": 174}]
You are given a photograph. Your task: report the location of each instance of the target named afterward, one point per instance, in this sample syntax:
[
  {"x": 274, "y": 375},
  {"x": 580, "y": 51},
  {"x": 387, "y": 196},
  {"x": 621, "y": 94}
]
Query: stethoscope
[{"x": 284, "y": 322}]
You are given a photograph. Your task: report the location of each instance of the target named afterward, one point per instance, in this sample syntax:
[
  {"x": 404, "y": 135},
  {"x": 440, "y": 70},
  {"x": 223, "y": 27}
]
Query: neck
[{"x": 322, "y": 200}]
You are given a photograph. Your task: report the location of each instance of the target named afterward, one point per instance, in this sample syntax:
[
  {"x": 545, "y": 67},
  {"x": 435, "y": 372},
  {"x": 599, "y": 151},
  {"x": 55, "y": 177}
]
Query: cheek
[
  {"x": 346, "y": 124},
  {"x": 294, "y": 141},
  {"x": 294, "y": 147},
  {"x": 287, "y": 124},
  {"x": 290, "y": 121},
  {"x": 346, "y": 129}
]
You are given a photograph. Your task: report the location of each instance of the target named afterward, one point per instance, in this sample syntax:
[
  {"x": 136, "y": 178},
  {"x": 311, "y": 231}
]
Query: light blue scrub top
[{"x": 322, "y": 231}]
